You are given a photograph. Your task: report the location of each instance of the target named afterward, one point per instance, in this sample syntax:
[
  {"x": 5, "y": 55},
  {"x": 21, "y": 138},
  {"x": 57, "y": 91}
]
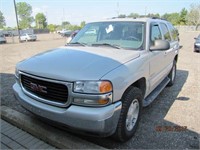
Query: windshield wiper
[
  {"x": 76, "y": 43},
  {"x": 107, "y": 44}
]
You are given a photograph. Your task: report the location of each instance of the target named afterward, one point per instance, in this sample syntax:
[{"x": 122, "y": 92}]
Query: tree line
[
  {"x": 24, "y": 11},
  {"x": 184, "y": 17}
]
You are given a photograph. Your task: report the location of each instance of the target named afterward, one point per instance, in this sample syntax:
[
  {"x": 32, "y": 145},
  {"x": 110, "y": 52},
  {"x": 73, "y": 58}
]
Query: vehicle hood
[{"x": 76, "y": 62}]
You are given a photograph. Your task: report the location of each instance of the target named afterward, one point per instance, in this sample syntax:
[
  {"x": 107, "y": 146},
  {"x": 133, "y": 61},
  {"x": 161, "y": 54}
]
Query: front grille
[{"x": 54, "y": 92}]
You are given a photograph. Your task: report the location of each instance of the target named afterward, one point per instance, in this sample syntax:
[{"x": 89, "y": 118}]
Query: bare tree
[{"x": 193, "y": 16}]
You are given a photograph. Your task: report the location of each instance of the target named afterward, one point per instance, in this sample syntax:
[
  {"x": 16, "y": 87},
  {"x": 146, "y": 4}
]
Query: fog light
[{"x": 89, "y": 102}]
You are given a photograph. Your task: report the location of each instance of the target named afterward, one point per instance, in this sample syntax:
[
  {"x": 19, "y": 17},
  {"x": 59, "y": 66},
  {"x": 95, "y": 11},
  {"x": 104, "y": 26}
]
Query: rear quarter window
[
  {"x": 166, "y": 32},
  {"x": 173, "y": 31}
]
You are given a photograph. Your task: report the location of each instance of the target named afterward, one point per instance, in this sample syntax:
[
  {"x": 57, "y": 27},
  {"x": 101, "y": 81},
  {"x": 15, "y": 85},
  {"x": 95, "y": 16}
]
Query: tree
[
  {"x": 172, "y": 17},
  {"x": 2, "y": 20},
  {"x": 82, "y": 24},
  {"x": 153, "y": 15},
  {"x": 165, "y": 16},
  {"x": 40, "y": 21},
  {"x": 51, "y": 27},
  {"x": 24, "y": 11},
  {"x": 122, "y": 16},
  {"x": 183, "y": 14},
  {"x": 193, "y": 16},
  {"x": 133, "y": 15},
  {"x": 74, "y": 27},
  {"x": 66, "y": 24}
]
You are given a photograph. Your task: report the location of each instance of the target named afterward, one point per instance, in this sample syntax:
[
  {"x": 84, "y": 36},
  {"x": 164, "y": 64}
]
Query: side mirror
[{"x": 160, "y": 45}]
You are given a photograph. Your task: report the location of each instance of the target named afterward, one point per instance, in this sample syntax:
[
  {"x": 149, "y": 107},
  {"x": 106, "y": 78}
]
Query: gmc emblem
[{"x": 38, "y": 88}]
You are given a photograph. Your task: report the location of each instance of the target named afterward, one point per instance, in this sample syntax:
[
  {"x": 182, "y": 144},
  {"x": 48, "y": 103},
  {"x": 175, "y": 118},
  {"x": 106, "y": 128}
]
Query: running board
[{"x": 152, "y": 96}]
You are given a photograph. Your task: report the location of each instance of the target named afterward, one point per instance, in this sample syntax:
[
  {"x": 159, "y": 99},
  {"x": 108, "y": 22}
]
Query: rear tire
[
  {"x": 130, "y": 114},
  {"x": 172, "y": 74}
]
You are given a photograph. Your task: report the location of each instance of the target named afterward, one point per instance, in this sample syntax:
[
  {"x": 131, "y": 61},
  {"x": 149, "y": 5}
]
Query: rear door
[{"x": 169, "y": 34}]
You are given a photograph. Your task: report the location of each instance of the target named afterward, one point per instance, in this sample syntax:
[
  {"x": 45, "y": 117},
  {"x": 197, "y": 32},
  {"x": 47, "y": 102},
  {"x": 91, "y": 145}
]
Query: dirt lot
[{"x": 177, "y": 107}]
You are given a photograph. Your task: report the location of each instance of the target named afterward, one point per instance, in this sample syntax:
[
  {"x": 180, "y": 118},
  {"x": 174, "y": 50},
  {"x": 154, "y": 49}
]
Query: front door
[{"x": 157, "y": 58}]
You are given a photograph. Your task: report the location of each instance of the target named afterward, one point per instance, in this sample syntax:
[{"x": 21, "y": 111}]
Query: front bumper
[{"x": 101, "y": 120}]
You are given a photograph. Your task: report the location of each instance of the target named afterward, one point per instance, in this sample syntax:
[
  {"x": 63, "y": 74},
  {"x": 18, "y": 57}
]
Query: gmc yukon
[{"x": 100, "y": 81}]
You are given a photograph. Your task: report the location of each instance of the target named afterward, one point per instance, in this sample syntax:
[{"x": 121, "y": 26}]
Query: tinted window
[
  {"x": 155, "y": 33},
  {"x": 166, "y": 32},
  {"x": 127, "y": 35},
  {"x": 174, "y": 32}
]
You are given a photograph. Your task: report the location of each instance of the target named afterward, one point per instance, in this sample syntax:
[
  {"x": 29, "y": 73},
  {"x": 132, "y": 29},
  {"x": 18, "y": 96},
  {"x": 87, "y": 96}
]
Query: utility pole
[{"x": 17, "y": 20}]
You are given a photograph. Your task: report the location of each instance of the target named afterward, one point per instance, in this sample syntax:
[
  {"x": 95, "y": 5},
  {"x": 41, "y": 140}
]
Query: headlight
[
  {"x": 93, "y": 87},
  {"x": 197, "y": 44},
  {"x": 93, "y": 93}
]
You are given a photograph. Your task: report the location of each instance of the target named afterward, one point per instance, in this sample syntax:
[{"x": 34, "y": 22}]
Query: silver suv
[{"x": 101, "y": 80}]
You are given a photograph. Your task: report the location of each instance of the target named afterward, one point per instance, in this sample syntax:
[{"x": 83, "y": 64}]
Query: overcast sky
[{"x": 76, "y": 11}]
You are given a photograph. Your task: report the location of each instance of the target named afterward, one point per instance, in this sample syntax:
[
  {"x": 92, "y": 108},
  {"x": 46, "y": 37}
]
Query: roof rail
[
  {"x": 138, "y": 17},
  {"x": 158, "y": 18},
  {"x": 155, "y": 17},
  {"x": 123, "y": 17}
]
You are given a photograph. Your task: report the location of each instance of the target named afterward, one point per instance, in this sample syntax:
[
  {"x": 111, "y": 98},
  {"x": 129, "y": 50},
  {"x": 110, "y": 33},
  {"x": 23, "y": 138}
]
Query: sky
[{"x": 76, "y": 11}]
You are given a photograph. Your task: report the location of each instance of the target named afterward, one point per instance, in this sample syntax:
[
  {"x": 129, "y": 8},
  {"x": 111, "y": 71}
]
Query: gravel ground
[{"x": 177, "y": 107}]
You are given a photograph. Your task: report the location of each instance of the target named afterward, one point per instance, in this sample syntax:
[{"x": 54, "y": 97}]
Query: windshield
[{"x": 127, "y": 35}]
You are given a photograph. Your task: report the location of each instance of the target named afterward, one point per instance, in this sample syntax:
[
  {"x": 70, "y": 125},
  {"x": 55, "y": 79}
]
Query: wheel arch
[{"x": 140, "y": 83}]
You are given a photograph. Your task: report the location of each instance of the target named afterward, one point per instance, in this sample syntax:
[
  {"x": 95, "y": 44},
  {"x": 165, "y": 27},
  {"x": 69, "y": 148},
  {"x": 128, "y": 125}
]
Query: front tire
[
  {"x": 172, "y": 74},
  {"x": 130, "y": 114}
]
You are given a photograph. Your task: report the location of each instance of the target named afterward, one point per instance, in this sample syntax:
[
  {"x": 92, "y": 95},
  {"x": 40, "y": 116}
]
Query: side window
[
  {"x": 155, "y": 33},
  {"x": 174, "y": 32},
  {"x": 166, "y": 32}
]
